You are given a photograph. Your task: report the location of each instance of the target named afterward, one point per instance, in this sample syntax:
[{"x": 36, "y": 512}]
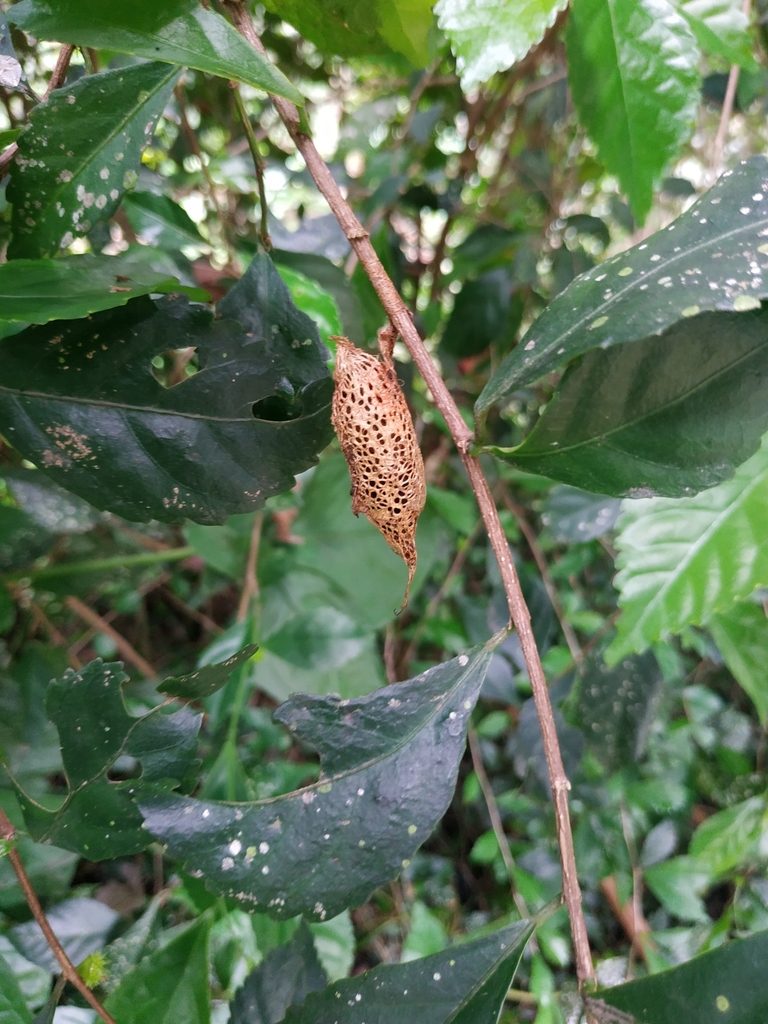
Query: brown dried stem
[
  {"x": 400, "y": 319},
  {"x": 251, "y": 584},
  {"x": 725, "y": 117},
  {"x": 126, "y": 649},
  {"x": 68, "y": 969},
  {"x": 496, "y": 822}
]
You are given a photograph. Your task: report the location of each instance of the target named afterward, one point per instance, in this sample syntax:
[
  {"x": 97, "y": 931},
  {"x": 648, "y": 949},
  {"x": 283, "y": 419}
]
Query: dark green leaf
[
  {"x": 98, "y": 817},
  {"x": 720, "y": 27},
  {"x": 332, "y": 280},
  {"x": 481, "y": 315},
  {"x": 741, "y": 635},
  {"x": 677, "y": 414},
  {"x": 286, "y": 976},
  {"x": 574, "y": 516},
  {"x": 174, "y": 31},
  {"x": 171, "y": 986},
  {"x": 712, "y": 257},
  {"x": 50, "y": 506},
  {"x": 36, "y": 291},
  {"x": 79, "y": 153},
  {"x": 161, "y": 222},
  {"x": 207, "y": 679},
  {"x": 492, "y": 36},
  {"x": 465, "y": 984},
  {"x": 80, "y": 400},
  {"x": 21, "y": 538},
  {"x": 13, "y": 1009},
  {"x": 614, "y": 706},
  {"x": 320, "y": 639},
  {"x": 681, "y": 561},
  {"x": 633, "y": 72},
  {"x": 80, "y": 924},
  {"x": 352, "y": 29},
  {"x": 328, "y": 846},
  {"x": 724, "y": 986}
]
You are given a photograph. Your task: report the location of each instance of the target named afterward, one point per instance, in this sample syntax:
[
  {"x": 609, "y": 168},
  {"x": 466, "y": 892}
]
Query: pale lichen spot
[
  {"x": 250, "y": 852},
  {"x": 104, "y": 173},
  {"x": 746, "y": 302},
  {"x": 598, "y": 323},
  {"x": 227, "y": 864},
  {"x": 436, "y": 976},
  {"x": 412, "y": 830},
  {"x": 655, "y": 258},
  {"x": 745, "y": 210},
  {"x": 463, "y": 660},
  {"x": 530, "y": 345},
  {"x": 723, "y": 1004},
  {"x": 625, "y": 271},
  {"x": 690, "y": 311},
  {"x": 265, "y": 870},
  {"x": 263, "y": 848}
]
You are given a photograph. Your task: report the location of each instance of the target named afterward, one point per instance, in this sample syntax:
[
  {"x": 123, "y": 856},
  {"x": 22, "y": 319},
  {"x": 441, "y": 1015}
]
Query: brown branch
[
  {"x": 68, "y": 969},
  {"x": 401, "y": 320},
  {"x": 126, "y": 649},
  {"x": 193, "y": 613},
  {"x": 251, "y": 583},
  {"x": 725, "y": 117},
  {"x": 629, "y": 916},
  {"x": 538, "y": 556},
  {"x": 496, "y": 822}
]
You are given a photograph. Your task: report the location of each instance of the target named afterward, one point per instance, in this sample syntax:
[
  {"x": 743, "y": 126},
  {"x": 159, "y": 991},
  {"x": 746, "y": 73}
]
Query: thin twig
[
  {"x": 251, "y": 583},
  {"x": 628, "y": 916},
  {"x": 8, "y": 832},
  {"x": 496, "y": 822},
  {"x": 538, "y": 556},
  {"x": 126, "y": 649},
  {"x": 258, "y": 163},
  {"x": 725, "y": 117},
  {"x": 401, "y": 320},
  {"x": 41, "y": 619},
  {"x": 142, "y": 591},
  {"x": 456, "y": 567},
  {"x": 57, "y": 78},
  {"x": 193, "y": 613}
]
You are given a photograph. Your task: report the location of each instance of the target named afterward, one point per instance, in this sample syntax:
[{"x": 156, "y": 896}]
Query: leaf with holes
[
  {"x": 683, "y": 561},
  {"x": 465, "y": 984},
  {"x": 724, "y": 986},
  {"x": 79, "y": 399},
  {"x": 389, "y": 764},
  {"x": 175, "y": 31},
  {"x": 97, "y": 817},
  {"x": 492, "y": 36},
  {"x": 677, "y": 413},
  {"x": 37, "y": 291},
  {"x": 79, "y": 153},
  {"x": 713, "y": 257},
  {"x": 633, "y": 72}
]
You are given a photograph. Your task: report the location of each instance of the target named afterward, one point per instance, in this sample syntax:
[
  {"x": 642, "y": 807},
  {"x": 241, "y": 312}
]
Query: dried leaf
[{"x": 375, "y": 430}]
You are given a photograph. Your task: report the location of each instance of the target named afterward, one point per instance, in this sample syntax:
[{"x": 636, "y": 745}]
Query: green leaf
[
  {"x": 712, "y": 257},
  {"x": 161, "y": 222},
  {"x": 574, "y": 516},
  {"x": 335, "y": 944},
  {"x": 614, "y": 707},
  {"x": 320, "y": 639},
  {"x": 721, "y": 28},
  {"x": 426, "y": 934},
  {"x": 633, "y": 72},
  {"x": 681, "y": 561},
  {"x": 13, "y": 1009},
  {"x": 34, "y": 982},
  {"x": 79, "y": 399},
  {"x": 98, "y": 817},
  {"x": 677, "y": 413},
  {"x": 37, "y": 291},
  {"x": 482, "y": 314},
  {"x": 287, "y": 975},
  {"x": 466, "y": 984},
  {"x": 741, "y": 635},
  {"x": 351, "y": 29},
  {"x": 79, "y": 153},
  {"x": 207, "y": 679},
  {"x": 127, "y": 949},
  {"x": 678, "y": 884},
  {"x": 354, "y": 678},
  {"x": 174, "y": 31},
  {"x": 337, "y": 543},
  {"x": 21, "y": 538},
  {"x": 731, "y": 838},
  {"x": 313, "y": 300},
  {"x": 724, "y": 986},
  {"x": 492, "y": 36},
  {"x": 8, "y": 136},
  {"x": 329, "y": 845},
  {"x": 81, "y": 924},
  {"x": 171, "y": 985}
]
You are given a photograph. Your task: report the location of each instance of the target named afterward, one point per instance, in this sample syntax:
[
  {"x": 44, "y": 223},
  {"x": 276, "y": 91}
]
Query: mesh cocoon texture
[{"x": 374, "y": 426}]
